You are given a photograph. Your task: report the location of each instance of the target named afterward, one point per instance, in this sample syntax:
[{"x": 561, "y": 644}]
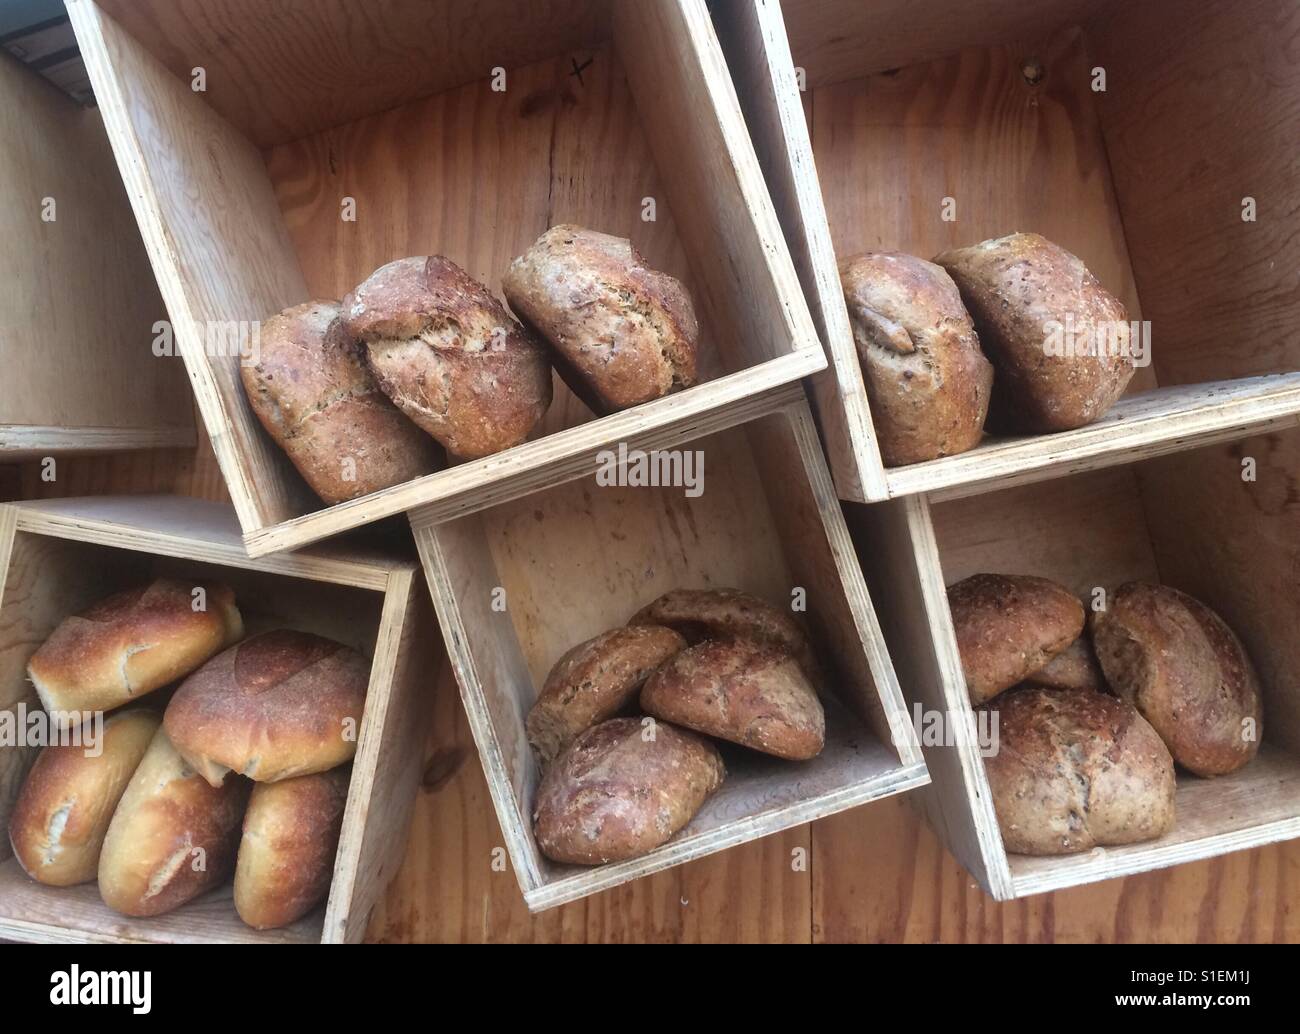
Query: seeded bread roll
[
  {"x": 449, "y": 355},
  {"x": 315, "y": 395},
  {"x": 1074, "y": 770},
  {"x": 927, "y": 380},
  {"x": 1075, "y": 667},
  {"x": 58, "y": 823},
  {"x": 1008, "y": 627},
  {"x": 1186, "y": 671},
  {"x": 172, "y": 836},
  {"x": 280, "y": 704},
  {"x": 624, "y": 334},
  {"x": 286, "y": 853},
  {"x": 620, "y": 790},
  {"x": 132, "y": 643},
  {"x": 594, "y": 681},
  {"x": 1025, "y": 293},
  {"x": 750, "y": 693}
]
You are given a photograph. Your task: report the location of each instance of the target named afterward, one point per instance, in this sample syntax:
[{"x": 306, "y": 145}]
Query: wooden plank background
[{"x": 872, "y": 874}]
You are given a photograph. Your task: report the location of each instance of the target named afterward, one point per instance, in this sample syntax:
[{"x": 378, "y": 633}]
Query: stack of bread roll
[
  {"x": 919, "y": 326},
  {"x": 621, "y": 725},
  {"x": 1092, "y": 721},
  {"x": 245, "y": 770},
  {"x": 358, "y": 393}
]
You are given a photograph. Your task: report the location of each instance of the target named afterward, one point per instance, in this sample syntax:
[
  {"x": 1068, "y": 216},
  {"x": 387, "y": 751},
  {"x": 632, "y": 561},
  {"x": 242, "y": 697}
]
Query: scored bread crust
[
  {"x": 315, "y": 395},
  {"x": 279, "y": 704},
  {"x": 625, "y": 333},
  {"x": 927, "y": 380},
  {"x": 617, "y": 792},
  {"x": 58, "y": 822},
  {"x": 132, "y": 643},
  {"x": 447, "y": 353},
  {"x": 172, "y": 836},
  {"x": 286, "y": 852},
  {"x": 1014, "y": 287},
  {"x": 594, "y": 681},
  {"x": 1008, "y": 627},
  {"x": 750, "y": 693},
  {"x": 1186, "y": 671},
  {"x": 1075, "y": 769}
]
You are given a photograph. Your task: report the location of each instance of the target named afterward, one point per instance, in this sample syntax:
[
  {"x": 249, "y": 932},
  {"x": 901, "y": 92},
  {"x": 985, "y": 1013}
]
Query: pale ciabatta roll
[
  {"x": 277, "y": 705},
  {"x": 172, "y": 837},
  {"x": 58, "y": 823},
  {"x": 132, "y": 643},
  {"x": 286, "y": 855}
]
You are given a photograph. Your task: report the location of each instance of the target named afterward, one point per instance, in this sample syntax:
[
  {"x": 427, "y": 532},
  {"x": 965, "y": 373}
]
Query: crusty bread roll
[
  {"x": 622, "y": 789},
  {"x": 1025, "y": 293},
  {"x": 1075, "y": 667},
  {"x": 172, "y": 836},
  {"x": 1186, "y": 671},
  {"x": 449, "y": 355},
  {"x": 1008, "y": 627},
  {"x": 315, "y": 395},
  {"x": 594, "y": 681},
  {"x": 927, "y": 380},
  {"x": 286, "y": 853},
  {"x": 58, "y": 823},
  {"x": 1074, "y": 769},
  {"x": 624, "y": 334},
  {"x": 132, "y": 643},
  {"x": 279, "y": 704},
  {"x": 750, "y": 693}
]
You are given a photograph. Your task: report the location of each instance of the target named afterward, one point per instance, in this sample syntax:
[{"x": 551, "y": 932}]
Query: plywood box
[
  {"x": 59, "y": 556},
  {"x": 456, "y": 128}
]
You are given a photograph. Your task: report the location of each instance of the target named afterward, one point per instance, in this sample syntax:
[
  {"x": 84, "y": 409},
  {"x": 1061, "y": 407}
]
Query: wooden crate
[
  {"x": 519, "y": 583},
  {"x": 1146, "y": 182},
  {"x": 77, "y": 301},
  {"x": 58, "y": 556},
  {"x": 608, "y": 110}
]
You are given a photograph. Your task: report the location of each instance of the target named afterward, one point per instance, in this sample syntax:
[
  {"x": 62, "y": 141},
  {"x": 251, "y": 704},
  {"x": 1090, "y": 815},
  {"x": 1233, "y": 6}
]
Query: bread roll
[
  {"x": 926, "y": 378},
  {"x": 132, "y": 643},
  {"x": 1075, "y": 770},
  {"x": 1030, "y": 299},
  {"x": 1075, "y": 667},
  {"x": 594, "y": 681},
  {"x": 700, "y": 614},
  {"x": 315, "y": 395},
  {"x": 1185, "y": 670},
  {"x": 172, "y": 836},
  {"x": 1008, "y": 627},
  {"x": 620, "y": 790},
  {"x": 280, "y": 704},
  {"x": 58, "y": 823},
  {"x": 286, "y": 854},
  {"x": 750, "y": 693},
  {"x": 449, "y": 355},
  {"x": 624, "y": 334}
]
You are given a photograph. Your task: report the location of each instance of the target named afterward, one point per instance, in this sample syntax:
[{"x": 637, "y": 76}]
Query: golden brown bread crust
[
  {"x": 280, "y": 704},
  {"x": 1015, "y": 289},
  {"x": 628, "y": 334},
  {"x": 58, "y": 822},
  {"x": 172, "y": 836},
  {"x": 286, "y": 853},
  {"x": 315, "y": 395},
  {"x": 594, "y": 681},
  {"x": 1008, "y": 627},
  {"x": 750, "y": 693},
  {"x": 618, "y": 792},
  {"x": 1186, "y": 671},
  {"x": 449, "y": 355},
  {"x": 1075, "y": 667},
  {"x": 132, "y": 643},
  {"x": 926, "y": 378},
  {"x": 1076, "y": 769}
]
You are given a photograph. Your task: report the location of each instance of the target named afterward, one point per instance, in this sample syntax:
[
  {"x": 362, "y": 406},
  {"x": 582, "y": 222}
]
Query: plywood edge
[{"x": 23, "y": 442}]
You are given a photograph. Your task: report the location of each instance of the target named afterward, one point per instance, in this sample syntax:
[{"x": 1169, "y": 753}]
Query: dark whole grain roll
[{"x": 1075, "y": 667}]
